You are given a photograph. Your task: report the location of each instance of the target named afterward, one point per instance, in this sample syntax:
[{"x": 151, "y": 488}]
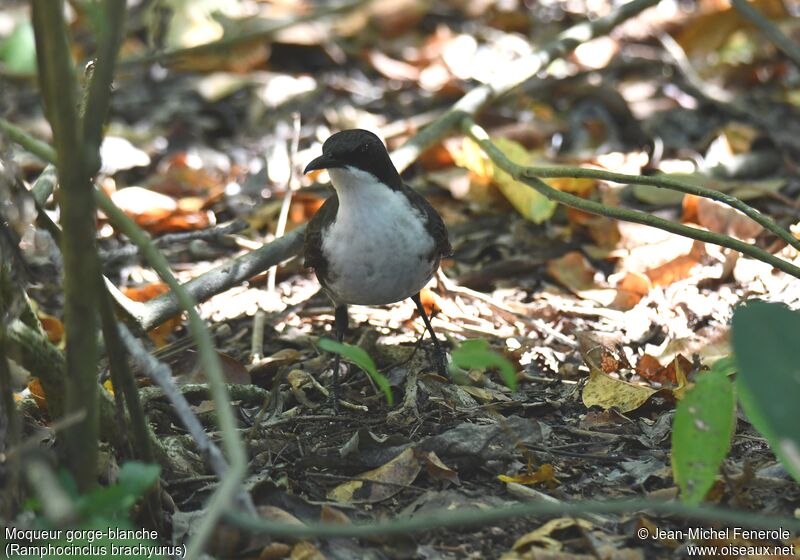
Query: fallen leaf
[
  {"x": 607, "y": 392},
  {"x": 437, "y": 470},
  {"x": 400, "y": 471},
  {"x": 53, "y": 327},
  {"x": 721, "y": 218},
  {"x": 678, "y": 268},
  {"x": 546, "y": 474},
  {"x": 542, "y": 535},
  {"x": 160, "y": 334},
  {"x": 37, "y": 392}
]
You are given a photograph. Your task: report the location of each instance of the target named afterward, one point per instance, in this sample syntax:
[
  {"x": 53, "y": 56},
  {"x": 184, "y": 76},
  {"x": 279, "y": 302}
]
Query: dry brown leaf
[
  {"x": 160, "y": 334},
  {"x": 721, "y": 218},
  {"x": 306, "y": 550},
  {"x": 437, "y": 470},
  {"x": 573, "y": 271},
  {"x": 37, "y": 392},
  {"x": 392, "y": 68},
  {"x": 678, "y": 268},
  {"x": 400, "y": 471},
  {"x": 53, "y": 327},
  {"x": 188, "y": 369},
  {"x": 330, "y": 514}
]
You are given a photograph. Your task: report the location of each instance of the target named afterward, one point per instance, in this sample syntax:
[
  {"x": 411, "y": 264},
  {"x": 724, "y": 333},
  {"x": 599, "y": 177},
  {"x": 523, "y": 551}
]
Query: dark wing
[
  {"x": 434, "y": 221},
  {"x": 312, "y": 248}
]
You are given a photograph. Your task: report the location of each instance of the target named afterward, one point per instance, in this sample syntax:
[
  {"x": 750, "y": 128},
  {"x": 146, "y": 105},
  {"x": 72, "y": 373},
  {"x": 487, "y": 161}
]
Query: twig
[
  {"x": 291, "y": 186},
  {"x": 98, "y": 93},
  {"x": 528, "y": 176},
  {"x": 122, "y": 376},
  {"x": 162, "y": 376},
  {"x": 215, "y": 281},
  {"x": 210, "y": 361},
  {"x": 58, "y": 86},
  {"x": 464, "y": 517},
  {"x": 708, "y": 91},
  {"x": 40, "y": 149},
  {"x": 257, "y": 340},
  {"x": 789, "y": 47},
  {"x": 57, "y": 505},
  {"x": 210, "y": 233},
  {"x": 671, "y": 184}
]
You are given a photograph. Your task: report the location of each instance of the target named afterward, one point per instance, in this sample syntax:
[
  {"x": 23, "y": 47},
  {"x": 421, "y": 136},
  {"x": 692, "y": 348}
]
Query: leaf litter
[{"x": 605, "y": 323}]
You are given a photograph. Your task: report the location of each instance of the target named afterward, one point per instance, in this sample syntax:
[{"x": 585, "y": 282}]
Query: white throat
[
  {"x": 352, "y": 184},
  {"x": 378, "y": 249}
]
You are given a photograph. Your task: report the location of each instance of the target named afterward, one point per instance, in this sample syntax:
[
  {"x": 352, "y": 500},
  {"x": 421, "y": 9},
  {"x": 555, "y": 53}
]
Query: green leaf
[
  {"x": 702, "y": 432},
  {"x": 476, "y": 354},
  {"x": 359, "y": 357},
  {"x": 133, "y": 481},
  {"x": 137, "y": 477},
  {"x": 765, "y": 344},
  {"x": 18, "y": 52}
]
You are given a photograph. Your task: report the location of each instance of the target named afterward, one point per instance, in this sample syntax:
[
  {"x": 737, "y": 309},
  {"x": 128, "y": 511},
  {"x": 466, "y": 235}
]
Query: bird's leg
[
  {"x": 340, "y": 324},
  {"x": 441, "y": 358}
]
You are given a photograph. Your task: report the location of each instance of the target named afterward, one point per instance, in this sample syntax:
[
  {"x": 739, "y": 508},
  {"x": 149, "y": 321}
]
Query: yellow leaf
[
  {"x": 607, "y": 392},
  {"x": 528, "y": 202},
  {"x": 546, "y": 473}
]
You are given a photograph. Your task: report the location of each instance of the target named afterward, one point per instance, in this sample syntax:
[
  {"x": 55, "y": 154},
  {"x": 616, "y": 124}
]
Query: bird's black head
[{"x": 360, "y": 149}]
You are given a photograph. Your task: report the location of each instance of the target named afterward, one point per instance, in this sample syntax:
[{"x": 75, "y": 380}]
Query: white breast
[{"x": 378, "y": 250}]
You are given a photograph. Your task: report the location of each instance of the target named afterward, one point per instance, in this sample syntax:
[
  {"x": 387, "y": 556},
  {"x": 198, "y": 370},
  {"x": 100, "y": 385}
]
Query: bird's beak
[{"x": 325, "y": 161}]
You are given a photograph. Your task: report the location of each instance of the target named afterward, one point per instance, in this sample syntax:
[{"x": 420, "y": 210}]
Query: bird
[{"x": 375, "y": 241}]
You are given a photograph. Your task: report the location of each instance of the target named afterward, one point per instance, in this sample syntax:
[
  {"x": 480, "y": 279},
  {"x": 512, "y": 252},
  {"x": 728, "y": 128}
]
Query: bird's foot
[
  {"x": 333, "y": 397},
  {"x": 440, "y": 360},
  {"x": 333, "y": 400}
]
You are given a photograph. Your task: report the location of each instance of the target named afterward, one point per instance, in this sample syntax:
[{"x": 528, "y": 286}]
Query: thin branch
[
  {"x": 784, "y": 43},
  {"x": 98, "y": 94},
  {"x": 161, "y": 374},
  {"x": 209, "y": 359},
  {"x": 667, "y": 183},
  {"x": 526, "y": 175},
  {"x": 39, "y": 148},
  {"x": 291, "y": 187},
  {"x": 215, "y": 281},
  {"x": 465, "y": 517},
  {"x": 58, "y": 85}
]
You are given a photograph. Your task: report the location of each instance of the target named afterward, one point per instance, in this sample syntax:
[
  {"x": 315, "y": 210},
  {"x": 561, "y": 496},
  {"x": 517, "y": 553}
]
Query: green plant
[
  {"x": 767, "y": 353},
  {"x": 359, "y": 357},
  {"x": 766, "y": 360},
  {"x": 476, "y": 353},
  {"x": 702, "y": 432},
  {"x": 103, "y": 527}
]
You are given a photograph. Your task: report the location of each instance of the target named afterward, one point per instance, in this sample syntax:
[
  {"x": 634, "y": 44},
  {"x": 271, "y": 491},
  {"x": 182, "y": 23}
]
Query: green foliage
[
  {"x": 476, "y": 354},
  {"x": 133, "y": 481},
  {"x": 702, "y": 432},
  {"x": 105, "y": 528},
  {"x": 359, "y": 357},
  {"x": 765, "y": 344},
  {"x": 18, "y": 51}
]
